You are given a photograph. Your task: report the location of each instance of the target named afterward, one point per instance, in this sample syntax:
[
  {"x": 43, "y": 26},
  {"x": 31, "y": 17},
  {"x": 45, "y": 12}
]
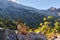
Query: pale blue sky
[{"x": 41, "y": 4}]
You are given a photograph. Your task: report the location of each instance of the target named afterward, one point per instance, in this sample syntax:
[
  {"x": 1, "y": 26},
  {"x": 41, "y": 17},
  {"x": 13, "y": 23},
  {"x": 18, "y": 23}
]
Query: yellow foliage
[
  {"x": 49, "y": 17},
  {"x": 30, "y": 30},
  {"x": 44, "y": 18},
  {"x": 56, "y": 24},
  {"x": 45, "y": 23},
  {"x": 36, "y": 30},
  {"x": 41, "y": 24}
]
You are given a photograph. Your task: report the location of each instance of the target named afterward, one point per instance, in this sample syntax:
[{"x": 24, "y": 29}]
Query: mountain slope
[{"x": 31, "y": 16}]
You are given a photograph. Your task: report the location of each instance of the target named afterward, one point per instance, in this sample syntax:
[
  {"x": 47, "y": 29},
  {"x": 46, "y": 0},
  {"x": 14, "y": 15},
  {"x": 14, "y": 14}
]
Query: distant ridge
[{"x": 31, "y": 16}]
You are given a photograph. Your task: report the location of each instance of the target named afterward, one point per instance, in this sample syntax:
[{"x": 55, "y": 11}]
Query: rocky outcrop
[
  {"x": 1, "y": 34},
  {"x": 32, "y": 36},
  {"x": 8, "y": 34}
]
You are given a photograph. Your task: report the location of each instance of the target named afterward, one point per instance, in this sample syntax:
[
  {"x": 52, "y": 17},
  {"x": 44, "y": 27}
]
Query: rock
[
  {"x": 41, "y": 36},
  {"x": 21, "y": 37},
  {"x": 31, "y": 36},
  {"x": 9, "y": 35},
  {"x": 1, "y": 34}
]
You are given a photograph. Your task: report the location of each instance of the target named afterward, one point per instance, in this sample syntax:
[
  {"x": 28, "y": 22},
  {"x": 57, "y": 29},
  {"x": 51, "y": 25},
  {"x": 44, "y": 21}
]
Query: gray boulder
[
  {"x": 9, "y": 35},
  {"x": 32, "y": 36},
  {"x": 1, "y": 34}
]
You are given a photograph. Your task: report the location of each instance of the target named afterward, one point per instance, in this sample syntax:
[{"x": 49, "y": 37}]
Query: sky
[{"x": 40, "y": 4}]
